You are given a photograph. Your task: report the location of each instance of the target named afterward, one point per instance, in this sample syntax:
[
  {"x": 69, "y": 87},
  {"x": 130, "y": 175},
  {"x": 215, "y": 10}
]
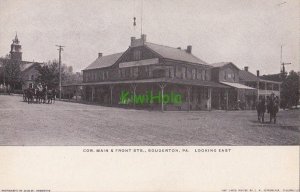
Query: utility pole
[
  {"x": 283, "y": 63},
  {"x": 60, "y": 49}
]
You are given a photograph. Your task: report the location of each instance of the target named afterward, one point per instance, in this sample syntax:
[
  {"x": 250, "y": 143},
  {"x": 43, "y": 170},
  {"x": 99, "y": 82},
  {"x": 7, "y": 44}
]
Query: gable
[{"x": 137, "y": 53}]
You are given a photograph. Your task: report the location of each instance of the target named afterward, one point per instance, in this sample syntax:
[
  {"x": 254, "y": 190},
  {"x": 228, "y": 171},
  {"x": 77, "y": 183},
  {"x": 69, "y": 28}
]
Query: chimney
[
  {"x": 189, "y": 49},
  {"x": 144, "y": 38},
  {"x": 246, "y": 68},
  {"x": 257, "y": 73},
  {"x": 99, "y": 55}
]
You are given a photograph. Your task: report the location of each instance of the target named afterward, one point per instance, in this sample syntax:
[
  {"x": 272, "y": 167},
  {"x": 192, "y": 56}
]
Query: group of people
[
  {"x": 271, "y": 105},
  {"x": 40, "y": 93}
]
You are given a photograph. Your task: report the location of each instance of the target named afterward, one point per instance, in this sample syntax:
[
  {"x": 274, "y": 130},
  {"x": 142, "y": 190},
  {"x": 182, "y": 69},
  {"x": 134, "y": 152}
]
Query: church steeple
[{"x": 15, "y": 49}]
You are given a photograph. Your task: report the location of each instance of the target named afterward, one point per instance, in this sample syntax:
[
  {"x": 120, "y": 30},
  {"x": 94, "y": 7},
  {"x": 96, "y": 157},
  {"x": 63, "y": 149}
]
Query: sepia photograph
[{"x": 161, "y": 75}]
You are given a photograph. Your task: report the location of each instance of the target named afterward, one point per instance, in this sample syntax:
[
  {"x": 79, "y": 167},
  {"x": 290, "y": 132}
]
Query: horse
[
  {"x": 29, "y": 95},
  {"x": 261, "y": 109},
  {"x": 273, "y": 108},
  {"x": 40, "y": 95},
  {"x": 51, "y": 96}
]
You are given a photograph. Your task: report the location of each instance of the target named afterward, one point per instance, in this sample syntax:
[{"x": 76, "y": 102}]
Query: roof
[
  {"x": 247, "y": 76},
  {"x": 272, "y": 77},
  {"x": 236, "y": 85},
  {"x": 222, "y": 64},
  {"x": 104, "y": 61},
  {"x": 158, "y": 80},
  {"x": 25, "y": 66},
  {"x": 174, "y": 53}
]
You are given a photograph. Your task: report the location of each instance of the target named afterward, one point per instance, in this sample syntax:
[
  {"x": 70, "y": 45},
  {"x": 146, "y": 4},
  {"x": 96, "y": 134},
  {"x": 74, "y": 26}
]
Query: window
[
  {"x": 137, "y": 55},
  {"x": 183, "y": 74},
  {"x": 225, "y": 75},
  {"x": 127, "y": 72},
  {"x": 199, "y": 74},
  {"x": 203, "y": 74},
  {"x": 171, "y": 72},
  {"x": 135, "y": 72},
  {"x": 193, "y": 73},
  {"x": 158, "y": 73},
  {"x": 178, "y": 71}
]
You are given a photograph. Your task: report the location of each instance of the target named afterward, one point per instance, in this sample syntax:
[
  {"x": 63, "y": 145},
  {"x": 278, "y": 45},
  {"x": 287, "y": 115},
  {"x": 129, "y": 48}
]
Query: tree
[
  {"x": 290, "y": 90},
  {"x": 48, "y": 74},
  {"x": 12, "y": 74}
]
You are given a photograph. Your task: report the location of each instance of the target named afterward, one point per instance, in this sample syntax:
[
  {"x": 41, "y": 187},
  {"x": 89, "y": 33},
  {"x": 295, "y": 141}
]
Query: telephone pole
[
  {"x": 283, "y": 63},
  {"x": 60, "y": 49}
]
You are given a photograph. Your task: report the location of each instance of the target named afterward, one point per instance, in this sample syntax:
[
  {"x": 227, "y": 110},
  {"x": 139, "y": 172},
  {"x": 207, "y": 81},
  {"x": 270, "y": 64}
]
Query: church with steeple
[
  {"x": 28, "y": 68},
  {"x": 16, "y": 49}
]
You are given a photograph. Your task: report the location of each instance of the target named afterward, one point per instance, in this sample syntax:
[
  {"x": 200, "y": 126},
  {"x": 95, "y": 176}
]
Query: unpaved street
[{"x": 66, "y": 123}]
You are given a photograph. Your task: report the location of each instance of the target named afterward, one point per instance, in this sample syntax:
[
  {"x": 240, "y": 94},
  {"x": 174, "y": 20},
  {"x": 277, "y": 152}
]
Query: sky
[{"x": 245, "y": 32}]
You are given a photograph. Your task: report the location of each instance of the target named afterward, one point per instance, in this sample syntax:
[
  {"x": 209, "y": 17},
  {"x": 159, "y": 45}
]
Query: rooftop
[
  {"x": 104, "y": 61},
  {"x": 247, "y": 76},
  {"x": 174, "y": 53}
]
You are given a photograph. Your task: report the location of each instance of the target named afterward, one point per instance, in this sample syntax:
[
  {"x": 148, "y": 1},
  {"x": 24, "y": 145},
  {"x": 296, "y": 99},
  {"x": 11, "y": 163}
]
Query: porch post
[
  {"x": 219, "y": 98},
  {"x": 188, "y": 89},
  {"x": 133, "y": 86},
  {"x": 111, "y": 94},
  {"x": 227, "y": 95},
  {"x": 209, "y": 99},
  {"x": 93, "y": 93},
  {"x": 162, "y": 87},
  {"x": 76, "y": 92},
  {"x": 237, "y": 100}
]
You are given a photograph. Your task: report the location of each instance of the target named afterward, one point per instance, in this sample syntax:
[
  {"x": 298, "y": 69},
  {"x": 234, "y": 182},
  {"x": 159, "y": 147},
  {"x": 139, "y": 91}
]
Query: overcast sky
[{"x": 245, "y": 32}]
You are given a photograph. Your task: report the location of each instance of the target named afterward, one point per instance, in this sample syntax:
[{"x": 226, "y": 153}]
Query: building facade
[
  {"x": 264, "y": 87},
  {"x": 151, "y": 73}
]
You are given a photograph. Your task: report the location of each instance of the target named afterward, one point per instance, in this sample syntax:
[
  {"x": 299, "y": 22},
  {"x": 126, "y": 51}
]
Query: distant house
[
  {"x": 265, "y": 87},
  {"x": 239, "y": 94},
  {"x": 28, "y": 71}
]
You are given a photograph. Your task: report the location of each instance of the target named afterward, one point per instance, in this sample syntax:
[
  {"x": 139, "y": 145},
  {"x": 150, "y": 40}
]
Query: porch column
[
  {"x": 162, "y": 87},
  {"x": 227, "y": 95},
  {"x": 76, "y": 92},
  {"x": 209, "y": 99},
  {"x": 237, "y": 99},
  {"x": 188, "y": 89},
  {"x": 220, "y": 99},
  {"x": 133, "y": 86},
  {"x": 93, "y": 93},
  {"x": 111, "y": 87}
]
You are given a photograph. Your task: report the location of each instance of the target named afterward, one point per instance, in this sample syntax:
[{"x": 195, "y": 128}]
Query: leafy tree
[
  {"x": 290, "y": 90},
  {"x": 12, "y": 73},
  {"x": 48, "y": 74}
]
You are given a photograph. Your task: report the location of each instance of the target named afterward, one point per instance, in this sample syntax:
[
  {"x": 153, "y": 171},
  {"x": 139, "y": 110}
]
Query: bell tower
[{"x": 15, "y": 49}]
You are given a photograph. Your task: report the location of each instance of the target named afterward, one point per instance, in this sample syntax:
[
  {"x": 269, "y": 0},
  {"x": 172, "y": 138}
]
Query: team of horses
[
  {"x": 36, "y": 95},
  {"x": 271, "y": 105}
]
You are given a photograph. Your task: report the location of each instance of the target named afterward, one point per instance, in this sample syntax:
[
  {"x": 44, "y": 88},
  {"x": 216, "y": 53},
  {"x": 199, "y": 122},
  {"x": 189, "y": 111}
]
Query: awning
[{"x": 237, "y": 85}]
